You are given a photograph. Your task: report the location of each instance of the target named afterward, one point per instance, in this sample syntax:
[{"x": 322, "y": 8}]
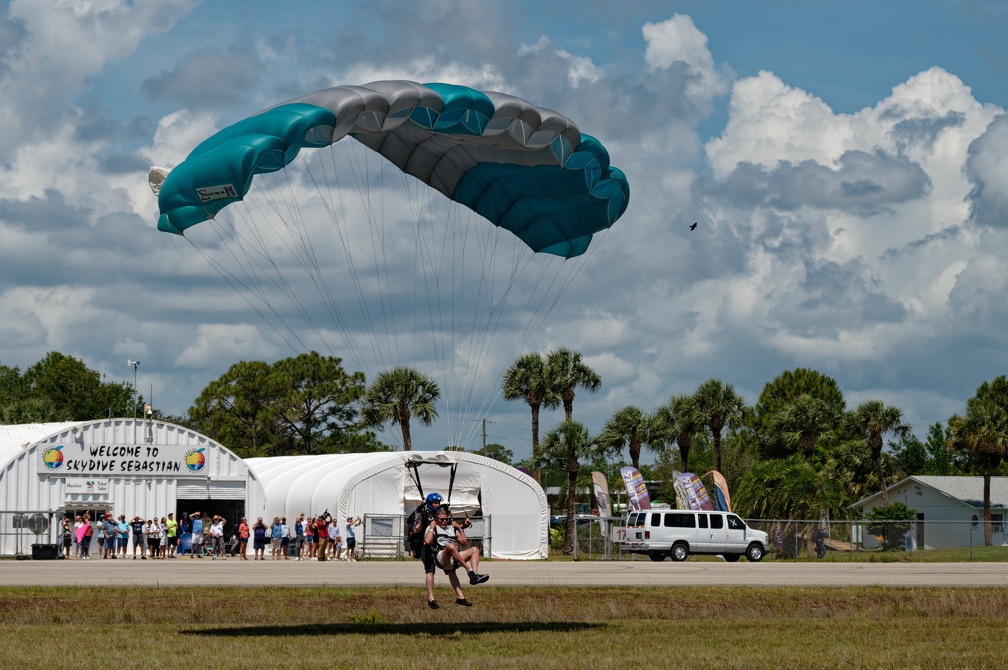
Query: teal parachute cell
[{"x": 524, "y": 168}]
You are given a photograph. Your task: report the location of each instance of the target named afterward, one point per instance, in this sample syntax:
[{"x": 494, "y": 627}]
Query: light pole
[{"x": 135, "y": 365}]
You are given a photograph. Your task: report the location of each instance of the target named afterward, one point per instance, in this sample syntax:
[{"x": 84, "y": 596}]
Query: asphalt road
[{"x": 183, "y": 571}]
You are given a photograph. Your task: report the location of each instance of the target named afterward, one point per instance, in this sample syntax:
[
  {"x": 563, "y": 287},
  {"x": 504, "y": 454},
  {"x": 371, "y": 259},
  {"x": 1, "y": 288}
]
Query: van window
[
  {"x": 735, "y": 523},
  {"x": 680, "y": 520},
  {"x": 655, "y": 519},
  {"x": 702, "y": 520},
  {"x": 632, "y": 520},
  {"x": 716, "y": 521}
]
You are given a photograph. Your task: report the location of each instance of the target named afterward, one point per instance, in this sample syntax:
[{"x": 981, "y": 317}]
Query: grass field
[{"x": 509, "y": 627}]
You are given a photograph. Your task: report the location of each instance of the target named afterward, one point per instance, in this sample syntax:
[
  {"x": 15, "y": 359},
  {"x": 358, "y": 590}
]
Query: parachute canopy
[{"x": 526, "y": 169}]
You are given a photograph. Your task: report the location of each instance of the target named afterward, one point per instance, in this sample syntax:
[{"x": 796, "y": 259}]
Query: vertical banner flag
[
  {"x": 636, "y": 488},
  {"x": 721, "y": 498},
  {"x": 602, "y": 497},
  {"x": 682, "y": 498},
  {"x": 695, "y": 493}
]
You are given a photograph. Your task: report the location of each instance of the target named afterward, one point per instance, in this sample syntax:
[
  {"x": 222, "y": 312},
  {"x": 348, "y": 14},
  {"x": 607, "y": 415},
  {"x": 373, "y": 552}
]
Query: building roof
[
  {"x": 965, "y": 489},
  {"x": 15, "y": 438}
]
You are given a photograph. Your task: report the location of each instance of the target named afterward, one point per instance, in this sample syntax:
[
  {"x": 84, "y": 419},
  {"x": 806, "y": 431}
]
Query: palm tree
[
  {"x": 788, "y": 488},
  {"x": 36, "y": 409},
  {"x": 870, "y": 421},
  {"x": 564, "y": 446},
  {"x": 803, "y": 424},
  {"x": 677, "y": 421},
  {"x": 566, "y": 371},
  {"x": 398, "y": 394},
  {"x": 629, "y": 427},
  {"x": 717, "y": 406},
  {"x": 984, "y": 433},
  {"x": 527, "y": 380}
]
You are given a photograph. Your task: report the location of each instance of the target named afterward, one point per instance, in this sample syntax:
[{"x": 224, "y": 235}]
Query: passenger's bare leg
[{"x": 454, "y": 581}]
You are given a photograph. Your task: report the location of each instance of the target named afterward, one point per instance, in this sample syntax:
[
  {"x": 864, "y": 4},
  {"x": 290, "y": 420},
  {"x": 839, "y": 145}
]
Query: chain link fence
[
  {"x": 20, "y": 530},
  {"x": 594, "y": 537},
  {"x": 26, "y": 534},
  {"x": 384, "y": 536}
]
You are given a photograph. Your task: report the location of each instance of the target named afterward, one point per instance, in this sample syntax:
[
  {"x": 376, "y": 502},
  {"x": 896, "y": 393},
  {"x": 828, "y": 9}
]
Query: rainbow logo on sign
[
  {"x": 53, "y": 457},
  {"x": 195, "y": 460}
]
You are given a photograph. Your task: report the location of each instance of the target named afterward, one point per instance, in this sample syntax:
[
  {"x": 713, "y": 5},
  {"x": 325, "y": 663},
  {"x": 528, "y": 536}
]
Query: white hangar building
[
  {"x": 509, "y": 509},
  {"x": 136, "y": 467}
]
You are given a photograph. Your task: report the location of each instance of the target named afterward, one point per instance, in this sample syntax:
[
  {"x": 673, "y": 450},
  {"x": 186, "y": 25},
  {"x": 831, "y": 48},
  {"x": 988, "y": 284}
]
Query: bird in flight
[{"x": 693, "y": 227}]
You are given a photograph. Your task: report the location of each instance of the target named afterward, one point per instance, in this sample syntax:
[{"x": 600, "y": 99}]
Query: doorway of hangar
[
  {"x": 214, "y": 497},
  {"x": 231, "y": 510}
]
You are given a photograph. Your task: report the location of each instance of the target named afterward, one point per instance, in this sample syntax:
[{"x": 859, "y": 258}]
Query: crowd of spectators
[{"x": 198, "y": 535}]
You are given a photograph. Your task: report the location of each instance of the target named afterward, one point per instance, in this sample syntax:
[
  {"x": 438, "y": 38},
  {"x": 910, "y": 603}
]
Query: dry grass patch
[{"x": 509, "y": 627}]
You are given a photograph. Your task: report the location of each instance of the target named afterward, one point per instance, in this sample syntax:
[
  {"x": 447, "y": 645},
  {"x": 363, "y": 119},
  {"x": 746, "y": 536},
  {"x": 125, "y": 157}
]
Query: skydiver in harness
[
  {"x": 424, "y": 547},
  {"x": 444, "y": 536}
]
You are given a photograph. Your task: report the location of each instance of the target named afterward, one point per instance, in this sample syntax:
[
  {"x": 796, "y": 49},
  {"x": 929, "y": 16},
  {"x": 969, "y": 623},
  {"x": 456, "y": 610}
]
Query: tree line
[{"x": 797, "y": 452}]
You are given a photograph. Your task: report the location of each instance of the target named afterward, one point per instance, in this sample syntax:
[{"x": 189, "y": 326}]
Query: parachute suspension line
[
  {"x": 263, "y": 247},
  {"x": 233, "y": 239},
  {"x": 234, "y": 283},
  {"x": 566, "y": 272},
  {"x": 493, "y": 296},
  {"x": 299, "y": 231},
  {"x": 362, "y": 178},
  {"x": 424, "y": 260},
  {"x": 484, "y": 324},
  {"x": 433, "y": 245},
  {"x": 335, "y": 217}
]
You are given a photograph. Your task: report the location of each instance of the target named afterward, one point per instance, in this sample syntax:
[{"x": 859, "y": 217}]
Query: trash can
[{"x": 45, "y": 552}]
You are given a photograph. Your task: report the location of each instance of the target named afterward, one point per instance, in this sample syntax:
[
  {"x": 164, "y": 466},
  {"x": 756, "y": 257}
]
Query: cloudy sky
[{"x": 845, "y": 163}]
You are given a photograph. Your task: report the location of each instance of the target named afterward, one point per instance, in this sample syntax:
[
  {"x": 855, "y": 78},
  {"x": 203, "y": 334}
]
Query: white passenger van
[{"x": 681, "y": 532}]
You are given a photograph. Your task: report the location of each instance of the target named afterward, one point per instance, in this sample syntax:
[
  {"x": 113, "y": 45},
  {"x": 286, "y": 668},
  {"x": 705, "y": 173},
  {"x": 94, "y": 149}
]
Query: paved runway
[{"x": 182, "y": 571}]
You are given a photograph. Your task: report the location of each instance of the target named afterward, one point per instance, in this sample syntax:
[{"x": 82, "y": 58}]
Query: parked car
[{"x": 679, "y": 533}]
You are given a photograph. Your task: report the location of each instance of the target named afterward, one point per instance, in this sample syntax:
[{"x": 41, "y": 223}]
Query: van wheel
[
  {"x": 680, "y": 552},
  {"x": 731, "y": 558},
  {"x": 755, "y": 552},
  {"x": 657, "y": 556}
]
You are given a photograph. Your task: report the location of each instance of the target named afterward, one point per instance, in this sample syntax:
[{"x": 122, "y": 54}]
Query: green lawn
[{"x": 509, "y": 627}]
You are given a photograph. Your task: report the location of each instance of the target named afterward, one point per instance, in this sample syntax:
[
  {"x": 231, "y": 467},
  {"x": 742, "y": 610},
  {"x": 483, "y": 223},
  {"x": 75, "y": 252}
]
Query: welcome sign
[{"x": 123, "y": 460}]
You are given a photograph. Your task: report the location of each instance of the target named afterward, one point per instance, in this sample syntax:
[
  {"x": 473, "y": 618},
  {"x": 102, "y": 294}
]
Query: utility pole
[
  {"x": 135, "y": 365},
  {"x": 485, "y": 422}
]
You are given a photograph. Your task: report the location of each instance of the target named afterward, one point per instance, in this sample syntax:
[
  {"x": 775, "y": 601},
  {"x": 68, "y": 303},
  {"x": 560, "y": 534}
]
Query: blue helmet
[{"x": 431, "y": 499}]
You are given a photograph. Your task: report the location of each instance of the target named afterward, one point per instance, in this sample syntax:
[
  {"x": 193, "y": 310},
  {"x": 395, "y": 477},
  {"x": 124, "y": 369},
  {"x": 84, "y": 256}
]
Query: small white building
[
  {"x": 137, "y": 467},
  {"x": 509, "y": 507},
  {"x": 949, "y": 509}
]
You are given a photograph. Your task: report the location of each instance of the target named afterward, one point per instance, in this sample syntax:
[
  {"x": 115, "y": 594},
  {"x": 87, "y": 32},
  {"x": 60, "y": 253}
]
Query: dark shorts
[
  {"x": 284, "y": 542},
  {"x": 121, "y": 542},
  {"x": 427, "y": 556},
  {"x": 259, "y": 544},
  {"x": 351, "y": 543},
  {"x": 173, "y": 541},
  {"x": 138, "y": 540},
  {"x": 110, "y": 543}
]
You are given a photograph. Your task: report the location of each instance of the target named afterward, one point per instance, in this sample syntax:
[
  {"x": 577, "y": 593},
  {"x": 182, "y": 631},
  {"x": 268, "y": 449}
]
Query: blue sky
[{"x": 844, "y": 160}]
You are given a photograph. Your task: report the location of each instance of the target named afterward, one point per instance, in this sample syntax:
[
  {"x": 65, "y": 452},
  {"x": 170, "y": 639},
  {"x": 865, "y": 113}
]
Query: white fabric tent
[{"x": 351, "y": 485}]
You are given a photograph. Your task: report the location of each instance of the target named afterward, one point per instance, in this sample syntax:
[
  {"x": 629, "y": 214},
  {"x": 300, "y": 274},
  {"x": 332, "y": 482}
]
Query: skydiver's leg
[
  {"x": 459, "y": 596},
  {"x": 472, "y": 554},
  {"x": 451, "y": 551}
]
